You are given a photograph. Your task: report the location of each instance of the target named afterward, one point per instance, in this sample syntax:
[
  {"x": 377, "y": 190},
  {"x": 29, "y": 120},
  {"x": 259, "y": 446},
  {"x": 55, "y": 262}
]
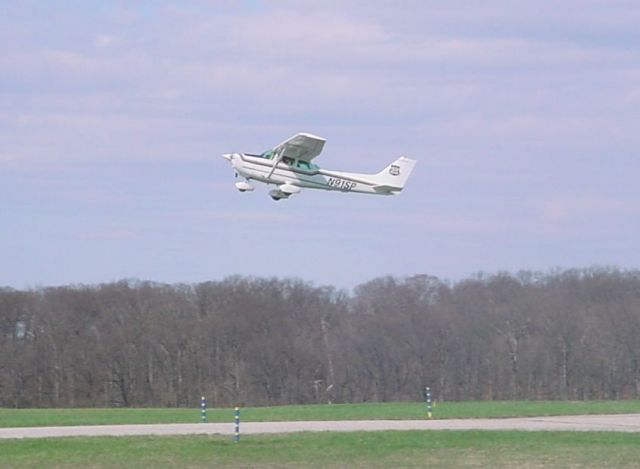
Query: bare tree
[{"x": 566, "y": 334}]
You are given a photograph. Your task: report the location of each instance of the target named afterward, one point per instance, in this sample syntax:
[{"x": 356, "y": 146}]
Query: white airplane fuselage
[{"x": 254, "y": 167}]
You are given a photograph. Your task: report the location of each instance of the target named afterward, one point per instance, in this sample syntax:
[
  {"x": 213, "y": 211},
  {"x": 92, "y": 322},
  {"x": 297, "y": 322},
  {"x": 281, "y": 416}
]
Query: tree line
[{"x": 571, "y": 334}]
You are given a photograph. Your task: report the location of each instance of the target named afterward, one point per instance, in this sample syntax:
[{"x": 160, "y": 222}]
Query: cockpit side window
[
  {"x": 288, "y": 161},
  {"x": 304, "y": 165}
]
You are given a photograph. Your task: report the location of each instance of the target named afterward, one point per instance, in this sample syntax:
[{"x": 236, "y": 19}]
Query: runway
[{"x": 606, "y": 423}]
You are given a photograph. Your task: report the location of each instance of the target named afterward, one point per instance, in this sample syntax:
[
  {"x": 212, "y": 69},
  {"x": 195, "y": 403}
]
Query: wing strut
[{"x": 276, "y": 160}]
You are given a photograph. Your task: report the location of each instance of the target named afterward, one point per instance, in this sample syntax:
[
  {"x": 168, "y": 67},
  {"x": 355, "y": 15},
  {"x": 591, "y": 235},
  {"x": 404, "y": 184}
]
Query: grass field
[
  {"x": 359, "y": 449},
  {"x": 373, "y": 411},
  {"x": 496, "y": 449}
]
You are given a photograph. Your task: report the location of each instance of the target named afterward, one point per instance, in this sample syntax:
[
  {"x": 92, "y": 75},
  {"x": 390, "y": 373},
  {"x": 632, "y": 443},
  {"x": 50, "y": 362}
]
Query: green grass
[
  {"x": 373, "y": 411},
  {"x": 354, "y": 450}
]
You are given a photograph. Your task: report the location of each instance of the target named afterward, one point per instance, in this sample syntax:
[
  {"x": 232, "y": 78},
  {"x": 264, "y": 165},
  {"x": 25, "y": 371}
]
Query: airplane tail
[{"x": 394, "y": 177}]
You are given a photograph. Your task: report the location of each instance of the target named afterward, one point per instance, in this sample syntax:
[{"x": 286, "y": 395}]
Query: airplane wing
[{"x": 302, "y": 146}]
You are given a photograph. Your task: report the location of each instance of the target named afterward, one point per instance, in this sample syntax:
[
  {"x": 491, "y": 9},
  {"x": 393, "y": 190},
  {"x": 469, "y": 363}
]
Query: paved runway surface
[{"x": 617, "y": 423}]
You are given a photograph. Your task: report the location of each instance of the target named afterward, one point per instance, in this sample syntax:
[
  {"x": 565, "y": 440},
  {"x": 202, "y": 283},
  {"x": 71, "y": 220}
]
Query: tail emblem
[{"x": 394, "y": 170}]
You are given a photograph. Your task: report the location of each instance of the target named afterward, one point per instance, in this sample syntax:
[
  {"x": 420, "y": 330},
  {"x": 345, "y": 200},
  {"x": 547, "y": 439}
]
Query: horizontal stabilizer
[{"x": 388, "y": 190}]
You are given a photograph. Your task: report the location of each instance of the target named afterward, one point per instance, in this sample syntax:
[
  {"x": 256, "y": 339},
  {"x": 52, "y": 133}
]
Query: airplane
[{"x": 288, "y": 166}]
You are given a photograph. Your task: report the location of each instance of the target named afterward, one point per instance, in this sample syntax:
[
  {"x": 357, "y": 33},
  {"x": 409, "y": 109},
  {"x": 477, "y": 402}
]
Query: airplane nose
[{"x": 228, "y": 156}]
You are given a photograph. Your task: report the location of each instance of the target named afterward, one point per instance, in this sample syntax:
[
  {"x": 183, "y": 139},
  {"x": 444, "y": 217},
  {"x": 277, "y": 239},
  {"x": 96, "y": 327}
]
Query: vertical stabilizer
[{"x": 394, "y": 176}]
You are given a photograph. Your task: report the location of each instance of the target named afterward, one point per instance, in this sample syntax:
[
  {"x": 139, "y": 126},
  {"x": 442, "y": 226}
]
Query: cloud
[
  {"x": 563, "y": 210},
  {"x": 104, "y": 40},
  {"x": 275, "y": 67},
  {"x": 109, "y": 234},
  {"x": 524, "y": 117},
  {"x": 589, "y": 219},
  {"x": 631, "y": 97},
  {"x": 239, "y": 216}
]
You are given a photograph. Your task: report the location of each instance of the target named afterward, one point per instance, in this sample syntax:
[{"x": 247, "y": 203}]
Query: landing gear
[
  {"x": 277, "y": 194},
  {"x": 244, "y": 186}
]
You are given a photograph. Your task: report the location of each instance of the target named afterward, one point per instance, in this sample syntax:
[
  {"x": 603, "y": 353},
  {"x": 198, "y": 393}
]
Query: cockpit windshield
[{"x": 267, "y": 154}]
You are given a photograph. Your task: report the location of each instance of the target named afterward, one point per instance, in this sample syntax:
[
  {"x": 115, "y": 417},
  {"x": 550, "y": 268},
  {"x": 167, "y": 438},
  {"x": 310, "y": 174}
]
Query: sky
[{"x": 523, "y": 117}]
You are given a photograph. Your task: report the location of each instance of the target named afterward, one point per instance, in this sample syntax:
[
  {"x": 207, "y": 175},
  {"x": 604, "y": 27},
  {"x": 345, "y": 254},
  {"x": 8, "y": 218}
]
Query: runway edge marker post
[
  {"x": 427, "y": 398},
  {"x": 236, "y": 435},
  {"x": 203, "y": 409}
]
